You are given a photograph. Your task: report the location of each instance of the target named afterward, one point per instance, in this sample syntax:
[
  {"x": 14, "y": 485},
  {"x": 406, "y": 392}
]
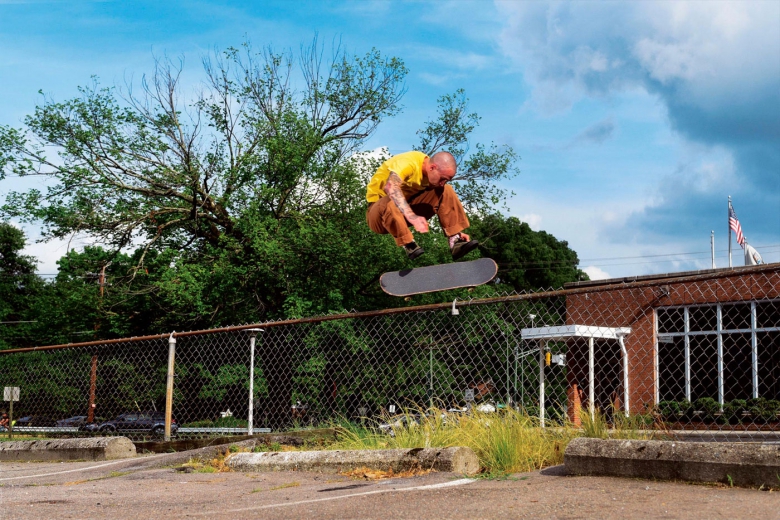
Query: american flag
[{"x": 736, "y": 227}]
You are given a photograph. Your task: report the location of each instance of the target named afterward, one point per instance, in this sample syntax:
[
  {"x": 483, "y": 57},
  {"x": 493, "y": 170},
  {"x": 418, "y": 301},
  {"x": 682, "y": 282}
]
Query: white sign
[{"x": 11, "y": 393}]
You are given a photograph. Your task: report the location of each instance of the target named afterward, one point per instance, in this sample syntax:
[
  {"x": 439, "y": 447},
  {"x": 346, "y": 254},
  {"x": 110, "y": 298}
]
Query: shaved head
[
  {"x": 440, "y": 168},
  {"x": 445, "y": 161}
]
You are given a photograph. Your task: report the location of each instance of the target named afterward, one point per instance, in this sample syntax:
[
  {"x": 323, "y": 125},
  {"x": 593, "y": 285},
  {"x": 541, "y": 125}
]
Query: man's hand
[{"x": 419, "y": 223}]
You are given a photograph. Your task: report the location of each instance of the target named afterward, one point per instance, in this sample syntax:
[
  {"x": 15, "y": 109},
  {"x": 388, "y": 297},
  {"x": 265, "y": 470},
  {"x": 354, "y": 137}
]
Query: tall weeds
[{"x": 506, "y": 442}]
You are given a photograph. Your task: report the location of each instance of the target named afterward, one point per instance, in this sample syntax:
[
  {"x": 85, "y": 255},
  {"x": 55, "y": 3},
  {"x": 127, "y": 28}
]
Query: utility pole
[
  {"x": 93, "y": 368},
  {"x": 102, "y": 279}
]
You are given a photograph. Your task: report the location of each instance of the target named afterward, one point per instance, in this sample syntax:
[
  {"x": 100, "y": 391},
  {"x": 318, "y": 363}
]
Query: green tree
[
  {"x": 479, "y": 172},
  {"x": 19, "y": 286},
  {"x": 527, "y": 259},
  {"x": 249, "y": 185},
  {"x": 249, "y": 192}
]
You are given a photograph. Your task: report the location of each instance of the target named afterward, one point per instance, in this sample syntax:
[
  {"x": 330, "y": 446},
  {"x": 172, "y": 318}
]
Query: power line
[{"x": 708, "y": 252}]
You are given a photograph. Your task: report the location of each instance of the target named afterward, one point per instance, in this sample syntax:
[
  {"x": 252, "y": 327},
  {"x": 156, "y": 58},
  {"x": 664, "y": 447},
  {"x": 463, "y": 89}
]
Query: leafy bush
[
  {"x": 686, "y": 409},
  {"x": 669, "y": 410},
  {"x": 763, "y": 409},
  {"x": 732, "y": 411},
  {"x": 709, "y": 406}
]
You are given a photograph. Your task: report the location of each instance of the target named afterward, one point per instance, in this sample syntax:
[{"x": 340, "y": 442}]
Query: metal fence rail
[{"x": 694, "y": 354}]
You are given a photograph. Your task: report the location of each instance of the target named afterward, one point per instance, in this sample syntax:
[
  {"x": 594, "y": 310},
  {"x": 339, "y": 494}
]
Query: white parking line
[
  {"x": 452, "y": 483},
  {"x": 87, "y": 468}
]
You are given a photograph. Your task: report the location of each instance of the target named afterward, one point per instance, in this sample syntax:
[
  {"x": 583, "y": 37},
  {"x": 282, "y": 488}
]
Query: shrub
[
  {"x": 686, "y": 409},
  {"x": 732, "y": 411},
  {"x": 669, "y": 410},
  {"x": 709, "y": 406},
  {"x": 763, "y": 409}
]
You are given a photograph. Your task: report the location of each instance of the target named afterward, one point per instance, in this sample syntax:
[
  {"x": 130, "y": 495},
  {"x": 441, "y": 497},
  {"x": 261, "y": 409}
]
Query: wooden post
[{"x": 92, "y": 390}]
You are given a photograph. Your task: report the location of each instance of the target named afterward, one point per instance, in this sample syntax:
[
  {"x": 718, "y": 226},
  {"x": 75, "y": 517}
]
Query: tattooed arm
[{"x": 393, "y": 190}]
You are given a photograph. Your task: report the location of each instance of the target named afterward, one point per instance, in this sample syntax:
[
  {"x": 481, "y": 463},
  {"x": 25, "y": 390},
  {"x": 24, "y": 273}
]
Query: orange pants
[{"x": 383, "y": 216}]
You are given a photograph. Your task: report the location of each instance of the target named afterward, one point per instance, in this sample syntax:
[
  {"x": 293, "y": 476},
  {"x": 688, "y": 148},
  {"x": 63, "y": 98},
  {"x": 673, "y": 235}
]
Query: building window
[{"x": 723, "y": 351}]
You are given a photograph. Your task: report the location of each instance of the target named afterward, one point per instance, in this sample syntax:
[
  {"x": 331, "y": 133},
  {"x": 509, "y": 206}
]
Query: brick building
[{"x": 686, "y": 336}]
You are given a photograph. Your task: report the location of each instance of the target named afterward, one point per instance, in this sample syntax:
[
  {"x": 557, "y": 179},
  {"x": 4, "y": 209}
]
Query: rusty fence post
[{"x": 92, "y": 390}]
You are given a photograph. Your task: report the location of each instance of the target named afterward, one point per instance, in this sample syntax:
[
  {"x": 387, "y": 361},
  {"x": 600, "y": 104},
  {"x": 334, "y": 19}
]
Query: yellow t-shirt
[{"x": 408, "y": 166}]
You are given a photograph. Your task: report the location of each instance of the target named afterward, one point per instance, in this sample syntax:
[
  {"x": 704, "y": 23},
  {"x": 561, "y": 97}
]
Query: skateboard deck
[{"x": 442, "y": 277}]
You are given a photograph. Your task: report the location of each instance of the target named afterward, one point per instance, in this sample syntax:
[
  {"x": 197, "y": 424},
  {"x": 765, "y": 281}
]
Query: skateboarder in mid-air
[{"x": 410, "y": 188}]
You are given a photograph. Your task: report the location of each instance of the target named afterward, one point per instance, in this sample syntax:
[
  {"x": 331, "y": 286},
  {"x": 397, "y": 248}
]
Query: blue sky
[{"x": 634, "y": 121}]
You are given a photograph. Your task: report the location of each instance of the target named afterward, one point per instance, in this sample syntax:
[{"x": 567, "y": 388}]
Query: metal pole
[
  {"x": 11, "y": 418},
  {"x": 712, "y": 247},
  {"x": 169, "y": 386},
  {"x": 591, "y": 379},
  {"x": 542, "y": 345},
  {"x": 754, "y": 347},
  {"x": 522, "y": 381},
  {"x": 251, "y": 412},
  {"x": 729, "y": 223},
  {"x": 430, "y": 378},
  {"x": 625, "y": 373},
  {"x": 721, "y": 383},
  {"x": 508, "y": 395},
  {"x": 514, "y": 384},
  {"x": 687, "y": 356}
]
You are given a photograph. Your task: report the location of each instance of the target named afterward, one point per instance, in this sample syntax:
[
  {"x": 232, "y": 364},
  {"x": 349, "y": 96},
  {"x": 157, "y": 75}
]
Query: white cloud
[
  {"x": 714, "y": 68},
  {"x": 470, "y": 61},
  {"x": 706, "y": 51},
  {"x": 594, "y": 273},
  {"x": 533, "y": 220}
]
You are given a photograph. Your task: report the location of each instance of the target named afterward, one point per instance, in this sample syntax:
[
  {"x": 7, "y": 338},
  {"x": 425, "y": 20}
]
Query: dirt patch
[{"x": 375, "y": 474}]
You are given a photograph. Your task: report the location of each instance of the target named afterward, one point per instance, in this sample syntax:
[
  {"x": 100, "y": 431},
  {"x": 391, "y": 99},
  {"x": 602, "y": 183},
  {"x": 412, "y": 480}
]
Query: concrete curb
[
  {"x": 456, "y": 460},
  {"x": 738, "y": 464},
  {"x": 102, "y": 448}
]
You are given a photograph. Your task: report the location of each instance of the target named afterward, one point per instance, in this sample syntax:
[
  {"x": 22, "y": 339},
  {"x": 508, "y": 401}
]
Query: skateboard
[{"x": 442, "y": 277}]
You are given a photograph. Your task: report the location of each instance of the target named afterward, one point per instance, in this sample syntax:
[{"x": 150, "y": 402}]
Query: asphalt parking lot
[{"x": 137, "y": 488}]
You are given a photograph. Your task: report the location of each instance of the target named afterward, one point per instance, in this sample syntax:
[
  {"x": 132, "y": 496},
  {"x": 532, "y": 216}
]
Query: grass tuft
[{"x": 505, "y": 442}]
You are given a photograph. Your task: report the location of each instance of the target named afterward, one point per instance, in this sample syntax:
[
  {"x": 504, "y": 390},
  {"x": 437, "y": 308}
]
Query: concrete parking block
[
  {"x": 456, "y": 460},
  {"x": 738, "y": 464},
  {"x": 99, "y": 448}
]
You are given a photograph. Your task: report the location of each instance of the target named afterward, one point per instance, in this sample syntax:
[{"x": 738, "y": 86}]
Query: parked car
[
  {"x": 35, "y": 420},
  {"x": 78, "y": 421},
  {"x": 152, "y": 422}
]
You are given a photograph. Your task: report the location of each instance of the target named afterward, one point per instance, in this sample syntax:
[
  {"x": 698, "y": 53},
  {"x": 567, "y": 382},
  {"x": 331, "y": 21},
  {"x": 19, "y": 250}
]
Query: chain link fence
[{"x": 692, "y": 355}]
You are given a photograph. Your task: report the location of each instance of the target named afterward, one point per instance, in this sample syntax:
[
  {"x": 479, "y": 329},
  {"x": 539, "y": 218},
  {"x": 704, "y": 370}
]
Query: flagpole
[
  {"x": 712, "y": 247},
  {"x": 728, "y": 215}
]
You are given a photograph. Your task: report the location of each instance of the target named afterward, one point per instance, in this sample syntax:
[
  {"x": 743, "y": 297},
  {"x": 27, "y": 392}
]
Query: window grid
[{"x": 754, "y": 330}]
